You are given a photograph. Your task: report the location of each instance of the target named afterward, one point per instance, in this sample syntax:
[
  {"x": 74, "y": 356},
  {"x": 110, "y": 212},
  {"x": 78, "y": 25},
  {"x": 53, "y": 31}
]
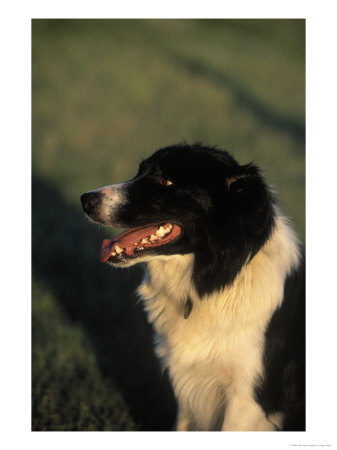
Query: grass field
[{"x": 107, "y": 93}]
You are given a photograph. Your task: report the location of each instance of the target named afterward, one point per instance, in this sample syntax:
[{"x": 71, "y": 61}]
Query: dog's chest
[
  {"x": 207, "y": 342},
  {"x": 208, "y": 358},
  {"x": 212, "y": 344},
  {"x": 216, "y": 354}
]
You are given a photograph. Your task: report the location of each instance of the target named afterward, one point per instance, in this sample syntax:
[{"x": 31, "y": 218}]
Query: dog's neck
[{"x": 171, "y": 275}]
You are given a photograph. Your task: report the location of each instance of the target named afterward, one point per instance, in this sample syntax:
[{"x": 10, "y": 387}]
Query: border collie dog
[{"x": 224, "y": 285}]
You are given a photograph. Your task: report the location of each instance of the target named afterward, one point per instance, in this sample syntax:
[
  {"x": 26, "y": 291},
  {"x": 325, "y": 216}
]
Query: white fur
[
  {"x": 115, "y": 196},
  {"x": 215, "y": 356}
]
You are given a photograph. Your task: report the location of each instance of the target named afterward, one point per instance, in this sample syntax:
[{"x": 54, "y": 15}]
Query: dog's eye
[{"x": 165, "y": 181}]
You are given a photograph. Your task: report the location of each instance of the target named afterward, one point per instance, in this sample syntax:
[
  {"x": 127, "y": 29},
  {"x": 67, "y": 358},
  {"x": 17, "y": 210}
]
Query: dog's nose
[{"x": 90, "y": 200}]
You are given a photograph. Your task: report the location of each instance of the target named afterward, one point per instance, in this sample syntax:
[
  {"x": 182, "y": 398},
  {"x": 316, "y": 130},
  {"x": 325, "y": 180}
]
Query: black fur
[{"x": 283, "y": 387}]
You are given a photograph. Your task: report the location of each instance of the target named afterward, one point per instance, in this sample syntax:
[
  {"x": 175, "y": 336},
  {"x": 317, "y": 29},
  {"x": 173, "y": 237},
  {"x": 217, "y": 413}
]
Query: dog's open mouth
[{"x": 132, "y": 242}]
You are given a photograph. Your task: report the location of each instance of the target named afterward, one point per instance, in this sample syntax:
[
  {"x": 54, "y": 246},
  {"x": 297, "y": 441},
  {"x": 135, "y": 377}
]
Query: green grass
[
  {"x": 67, "y": 381},
  {"x": 107, "y": 93}
]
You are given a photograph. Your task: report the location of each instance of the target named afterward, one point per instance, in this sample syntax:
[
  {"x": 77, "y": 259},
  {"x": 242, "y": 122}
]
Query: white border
[{"x": 321, "y": 223}]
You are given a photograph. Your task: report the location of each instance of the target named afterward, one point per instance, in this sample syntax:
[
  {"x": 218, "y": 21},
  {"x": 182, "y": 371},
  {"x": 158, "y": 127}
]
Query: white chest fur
[{"x": 215, "y": 356}]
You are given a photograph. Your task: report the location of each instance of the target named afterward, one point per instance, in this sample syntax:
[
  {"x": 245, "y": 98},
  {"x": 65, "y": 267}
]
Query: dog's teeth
[
  {"x": 168, "y": 228},
  {"x": 160, "y": 232},
  {"x": 153, "y": 237},
  {"x": 119, "y": 250}
]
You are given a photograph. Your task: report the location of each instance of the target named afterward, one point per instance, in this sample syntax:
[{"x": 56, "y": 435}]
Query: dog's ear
[
  {"x": 233, "y": 185},
  {"x": 246, "y": 178},
  {"x": 251, "y": 197}
]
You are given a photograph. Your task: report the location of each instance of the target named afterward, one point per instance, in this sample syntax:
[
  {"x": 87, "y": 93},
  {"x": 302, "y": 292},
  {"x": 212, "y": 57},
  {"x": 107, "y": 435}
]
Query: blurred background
[{"x": 105, "y": 94}]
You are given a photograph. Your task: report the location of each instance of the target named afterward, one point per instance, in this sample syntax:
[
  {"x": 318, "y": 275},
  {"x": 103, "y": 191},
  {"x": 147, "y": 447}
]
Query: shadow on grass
[
  {"x": 295, "y": 129},
  {"x": 65, "y": 248}
]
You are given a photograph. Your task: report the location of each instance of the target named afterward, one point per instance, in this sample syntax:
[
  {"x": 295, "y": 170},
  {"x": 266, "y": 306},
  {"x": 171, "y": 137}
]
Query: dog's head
[{"x": 185, "y": 199}]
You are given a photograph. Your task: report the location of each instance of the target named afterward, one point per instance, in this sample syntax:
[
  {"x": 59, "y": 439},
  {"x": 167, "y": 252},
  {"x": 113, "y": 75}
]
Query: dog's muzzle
[{"x": 102, "y": 204}]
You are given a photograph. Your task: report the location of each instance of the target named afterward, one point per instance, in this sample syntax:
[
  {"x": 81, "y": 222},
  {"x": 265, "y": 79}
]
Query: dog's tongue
[
  {"x": 129, "y": 240},
  {"x": 106, "y": 250}
]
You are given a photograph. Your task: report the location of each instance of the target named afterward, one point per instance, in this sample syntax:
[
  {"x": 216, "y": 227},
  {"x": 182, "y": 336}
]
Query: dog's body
[{"x": 223, "y": 288}]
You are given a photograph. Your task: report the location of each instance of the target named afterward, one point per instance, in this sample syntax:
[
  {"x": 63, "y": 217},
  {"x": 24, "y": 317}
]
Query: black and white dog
[{"x": 224, "y": 286}]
